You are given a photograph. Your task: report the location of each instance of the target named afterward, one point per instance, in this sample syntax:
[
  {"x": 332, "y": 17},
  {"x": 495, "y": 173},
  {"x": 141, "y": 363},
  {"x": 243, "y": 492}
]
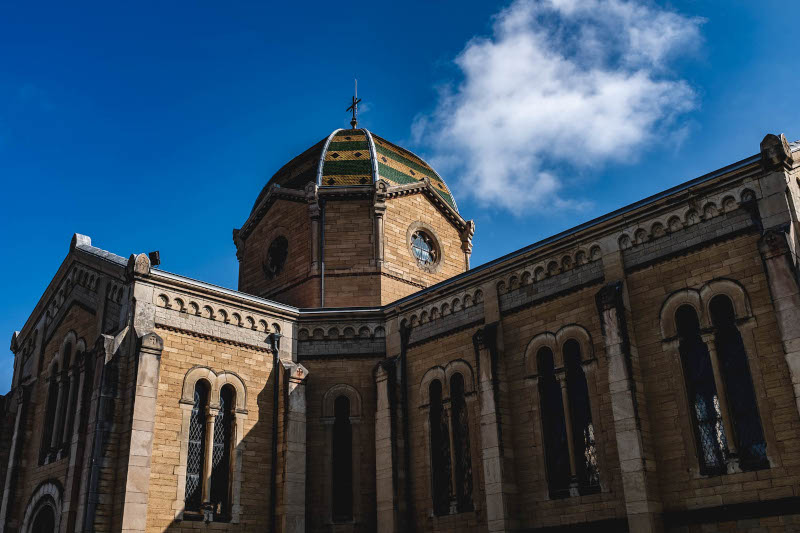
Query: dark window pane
[
  {"x": 197, "y": 439},
  {"x": 462, "y": 458},
  {"x": 221, "y": 454},
  {"x": 342, "y": 461},
  {"x": 554, "y": 429},
  {"x": 739, "y": 383},
  {"x": 440, "y": 451},
  {"x": 704, "y": 405},
  {"x": 581, "y": 414}
]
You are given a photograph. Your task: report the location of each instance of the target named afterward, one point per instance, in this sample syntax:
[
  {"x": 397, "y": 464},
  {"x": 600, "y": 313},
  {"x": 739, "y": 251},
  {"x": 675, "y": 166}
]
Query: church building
[{"x": 639, "y": 372}]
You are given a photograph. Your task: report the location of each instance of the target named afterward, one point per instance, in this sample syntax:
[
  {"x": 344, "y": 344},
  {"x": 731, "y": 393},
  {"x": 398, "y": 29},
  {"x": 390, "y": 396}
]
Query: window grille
[
  {"x": 462, "y": 458},
  {"x": 342, "y": 461},
  {"x": 704, "y": 404},
  {"x": 440, "y": 451},
  {"x": 197, "y": 439},
  {"x": 220, "y": 456},
  {"x": 554, "y": 430},
  {"x": 585, "y": 447},
  {"x": 752, "y": 447},
  {"x": 423, "y": 248}
]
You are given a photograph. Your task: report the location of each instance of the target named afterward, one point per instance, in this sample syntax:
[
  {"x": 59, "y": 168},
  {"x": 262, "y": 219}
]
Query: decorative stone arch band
[
  {"x": 700, "y": 301},
  {"x": 329, "y": 399},
  {"x": 215, "y": 382},
  {"x": 555, "y": 342},
  {"x": 444, "y": 374},
  {"x": 47, "y": 495}
]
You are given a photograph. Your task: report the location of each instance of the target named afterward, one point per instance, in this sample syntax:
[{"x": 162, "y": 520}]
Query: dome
[{"x": 355, "y": 157}]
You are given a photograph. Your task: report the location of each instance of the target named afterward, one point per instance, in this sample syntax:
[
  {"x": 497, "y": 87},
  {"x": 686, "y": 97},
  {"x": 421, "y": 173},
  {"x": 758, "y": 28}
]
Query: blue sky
[{"x": 155, "y": 125}]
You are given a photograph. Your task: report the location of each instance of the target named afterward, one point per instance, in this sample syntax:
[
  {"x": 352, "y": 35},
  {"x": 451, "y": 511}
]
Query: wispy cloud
[{"x": 560, "y": 85}]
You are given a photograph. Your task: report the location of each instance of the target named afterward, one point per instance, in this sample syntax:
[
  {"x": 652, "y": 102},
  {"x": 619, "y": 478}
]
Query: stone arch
[
  {"x": 540, "y": 340},
  {"x": 640, "y": 236},
  {"x": 459, "y": 366},
  {"x": 657, "y": 230},
  {"x": 342, "y": 389},
  {"x": 70, "y": 338},
  {"x": 538, "y": 273},
  {"x": 163, "y": 301},
  {"x": 180, "y": 305},
  {"x": 302, "y": 335},
  {"x": 670, "y": 306},
  {"x": 436, "y": 372},
  {"x": 47, "y": 494},
  {"x": 237, "y": 319},
  {"x": 729, "y": 203},
  {"x": 730, "y": 288},
  {"x": 710, "y": 210},
  {"x": 579, "y": 334},
  {"x": 624, "y": 241},
  {"x": 223, "y": 315},
  {"x": 191, "y": 378},
  {"x": 747, "y": 195},
  {"x": 333, "y": 333},
  {"x": 229, "y": 378},
  {"x": 595, "y": 252}
]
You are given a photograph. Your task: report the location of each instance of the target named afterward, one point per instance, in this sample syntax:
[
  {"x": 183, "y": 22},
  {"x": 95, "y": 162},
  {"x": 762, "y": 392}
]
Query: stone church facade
[{"x": 639, "y": 372}]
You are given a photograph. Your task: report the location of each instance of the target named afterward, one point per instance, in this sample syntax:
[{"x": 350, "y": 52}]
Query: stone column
[
  {"x": 75, "y": 445},
  {"x": 70, "y": 407},
  {"x": 137, "y": 483},
  {"x": 55, "y": 436},
  {"x": 21, "y": 396},
  {"x": 641, "y": 504},
  {"x": 208, "y": 461},
  {"x": 783, "y": 287},
  {"x": 385, "y": 479},
  {"x": 498, "y": 514},
  {"x": 466, "y": 241},
  {"x": 292, "y": 512},
  {"x": 722, "y": 395},
  {"x": 312, "y": 199},
  {"x": 379, "y": 210},
  {"x": 573, "y": 471}
]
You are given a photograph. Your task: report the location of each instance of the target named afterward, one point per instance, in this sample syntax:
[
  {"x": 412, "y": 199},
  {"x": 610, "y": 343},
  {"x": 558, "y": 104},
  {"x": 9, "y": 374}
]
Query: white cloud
[{"x": 560, "y": 85}]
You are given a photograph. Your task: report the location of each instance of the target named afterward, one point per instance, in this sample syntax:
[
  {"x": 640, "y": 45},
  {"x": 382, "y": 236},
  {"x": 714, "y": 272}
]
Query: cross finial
[{"x": 354, "y": 107}]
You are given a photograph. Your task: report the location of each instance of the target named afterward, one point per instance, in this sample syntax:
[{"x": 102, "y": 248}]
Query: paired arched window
[
  {"x": 342, "y": 456},
  {"x": 208, "y": 460},
  {"x": 451, "y": 460},
  {"x": 63, "y": 395},
  {"x": 567, "y": 428},
  {"x": 722, "y": 401}
]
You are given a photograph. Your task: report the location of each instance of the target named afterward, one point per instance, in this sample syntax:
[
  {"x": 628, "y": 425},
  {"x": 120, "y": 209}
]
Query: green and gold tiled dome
[{"x": 353, "y": 157}]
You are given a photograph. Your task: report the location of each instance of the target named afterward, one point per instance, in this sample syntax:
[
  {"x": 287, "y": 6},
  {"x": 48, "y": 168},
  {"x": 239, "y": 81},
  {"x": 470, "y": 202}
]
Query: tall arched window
[
  {"x": 584, "y": 446},
  {"x": 704, "y": 401},
  {"x": 221, "y": 454},
  {"x": 461, "y": 453},
  {"x": 44, "y": 521},
  {"x": 342, "y": 452},
  {"x": 50, "y": 413},
  {"x": 197, "y": 444},
  {"x": 440, "y": 451},
  {"x": 747, "y": 431},
  {"x": 553, "y": 426}
]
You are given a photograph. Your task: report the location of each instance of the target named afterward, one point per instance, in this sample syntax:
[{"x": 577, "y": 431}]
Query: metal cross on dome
[{"x": 354, "y": 107}]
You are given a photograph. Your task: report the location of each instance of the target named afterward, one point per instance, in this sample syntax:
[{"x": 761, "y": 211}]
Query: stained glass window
[
  {"x": 221, "y": 454},
  {"x": 554, "y": 429},
  {"x": 750, "y": 441},
  {"x": 462, "y": 458},
  {"x": 581, "y": 415},
  {"x": 440, "y": 451},
  {"x": 342, "y": 461},
  {"x": 423, "y": 248},
  {"x": 197, "y": 440},
  {"x": 712, "y": 445}
]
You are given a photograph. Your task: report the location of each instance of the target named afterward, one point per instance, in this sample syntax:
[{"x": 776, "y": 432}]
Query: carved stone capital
[
  {"x": 774, "y": 242},
  {"x": 775, "y": 152}
]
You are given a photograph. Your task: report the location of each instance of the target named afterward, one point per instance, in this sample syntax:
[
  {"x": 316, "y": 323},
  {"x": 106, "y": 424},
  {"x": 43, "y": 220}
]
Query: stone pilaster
[
  {"x": 76, "y": 444},
  {"x": 292, "y": 509},
  {"x": 378, "y": 212},
  {"x": 22, "y": 399},
  {"x": 314, "y": 212},
  {"x": 385, "y": 453},
  {"x": 499, "y": 485},
  {"x": 642, "y": 503},
  {"x": 137, "y": 483}
]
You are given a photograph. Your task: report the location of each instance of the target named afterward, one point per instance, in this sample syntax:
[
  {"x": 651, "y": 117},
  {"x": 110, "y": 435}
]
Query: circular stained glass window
[
  {"x": 424, "y": 248},
  {"x": 276, "y": 257}
]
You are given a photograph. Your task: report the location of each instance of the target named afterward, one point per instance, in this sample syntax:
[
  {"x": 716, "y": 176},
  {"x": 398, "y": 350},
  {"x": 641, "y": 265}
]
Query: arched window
[
  {"x": 704, "y": 401},
  {"x": 50, "y": 413},
  {"x": 553, "y": 426},
  {"x": 342, "y": 461},
  {"x": 747, "y": 431},
  {"x": 44, "y": 521},
  {"x": 221, "y": 454},
  {"x": 461, "y": 453},
  {"x": 197, "y": 444},
  {"x": 584, "y": 446},
  {"x": 63, "y": 394},
  {"x": 440, "y": 451}
]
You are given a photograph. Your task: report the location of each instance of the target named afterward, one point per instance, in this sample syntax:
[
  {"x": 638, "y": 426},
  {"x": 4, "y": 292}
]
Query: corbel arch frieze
[{"x": 342, "y": 389}]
